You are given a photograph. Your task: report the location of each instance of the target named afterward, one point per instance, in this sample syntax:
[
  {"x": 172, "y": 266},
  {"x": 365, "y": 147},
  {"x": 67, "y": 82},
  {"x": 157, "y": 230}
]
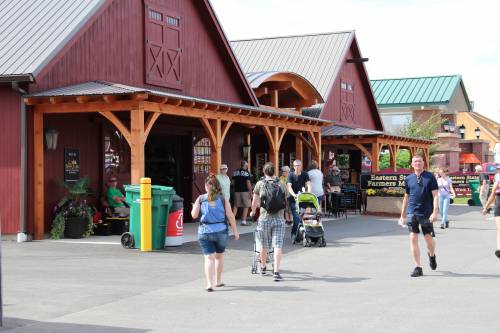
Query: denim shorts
[
  {"x": 416, "y": 221},
  {"x": 214, "y": 242}
]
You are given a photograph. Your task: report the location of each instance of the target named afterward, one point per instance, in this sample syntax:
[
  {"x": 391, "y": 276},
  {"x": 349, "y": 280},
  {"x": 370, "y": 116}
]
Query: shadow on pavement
[
  {"x": 465, "y": 275},
  {"x": 278, "y": 288},
  {"x": 25, "y": 326},
  {"x": 308, "y": 276}
]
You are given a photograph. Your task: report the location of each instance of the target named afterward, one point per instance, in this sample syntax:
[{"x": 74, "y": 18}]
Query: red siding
[
  {"x": 75, "y": 131},
  {"x": 112, "y": 49},
  {"x": 10, "y": 158},
  {"x": 365, "y": 114}
]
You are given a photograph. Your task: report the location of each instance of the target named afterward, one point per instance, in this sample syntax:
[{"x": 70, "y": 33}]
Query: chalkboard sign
[{"x": 71, "y": 164}]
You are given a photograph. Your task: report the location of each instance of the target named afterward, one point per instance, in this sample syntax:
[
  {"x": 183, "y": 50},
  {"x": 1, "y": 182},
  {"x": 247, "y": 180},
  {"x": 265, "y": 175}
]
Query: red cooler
[{"x": 175, "y": 222}]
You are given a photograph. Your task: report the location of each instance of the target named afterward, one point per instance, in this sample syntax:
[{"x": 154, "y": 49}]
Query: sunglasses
[
  {"x": 112, "y": 180},
  {"x": 419, "y": 180}
]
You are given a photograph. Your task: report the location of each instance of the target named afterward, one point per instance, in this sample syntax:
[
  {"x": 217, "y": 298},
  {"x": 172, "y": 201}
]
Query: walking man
[
  {"x": 422, "y": 199},
  {"x": 297, "y": 180},
  {"x": 484, "y": 181},
  {"x": 242, "y": 192}
]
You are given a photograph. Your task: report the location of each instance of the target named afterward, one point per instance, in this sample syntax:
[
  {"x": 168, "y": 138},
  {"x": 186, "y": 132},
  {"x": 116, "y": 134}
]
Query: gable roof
[
  {"x": 33, "y": 32},
  {"x": 316, "y": 57},
  {"x": 435, "y": 90}
]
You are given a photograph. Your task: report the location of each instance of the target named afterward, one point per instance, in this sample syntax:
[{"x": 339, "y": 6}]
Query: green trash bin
[
  {"x": 161, "y": 201},
  {"x": 474, "y": 190}
]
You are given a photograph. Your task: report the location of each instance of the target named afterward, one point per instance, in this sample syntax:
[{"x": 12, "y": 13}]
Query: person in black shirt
[
  {"x": 242, "y": 192},
  {"x": 422, "y": 199},
  {"x": 297, "y": 181}
]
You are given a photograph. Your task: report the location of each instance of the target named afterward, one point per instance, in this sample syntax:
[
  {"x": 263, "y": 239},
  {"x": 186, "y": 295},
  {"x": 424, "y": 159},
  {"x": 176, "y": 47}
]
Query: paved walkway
[{"x": 359, "y": 283}]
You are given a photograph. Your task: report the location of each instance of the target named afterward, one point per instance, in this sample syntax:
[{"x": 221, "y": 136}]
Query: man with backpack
[{"x": 269, "y": 195}]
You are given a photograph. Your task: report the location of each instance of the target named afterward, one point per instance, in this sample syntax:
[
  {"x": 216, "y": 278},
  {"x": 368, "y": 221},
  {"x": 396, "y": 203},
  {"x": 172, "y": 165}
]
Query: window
[
  {"x": 201, "y": 156},
  {"x": 163, "y": 47}
]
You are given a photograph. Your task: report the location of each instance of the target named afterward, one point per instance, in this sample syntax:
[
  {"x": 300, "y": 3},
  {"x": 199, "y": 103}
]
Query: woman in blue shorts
[{"x": 213, "y": 234}]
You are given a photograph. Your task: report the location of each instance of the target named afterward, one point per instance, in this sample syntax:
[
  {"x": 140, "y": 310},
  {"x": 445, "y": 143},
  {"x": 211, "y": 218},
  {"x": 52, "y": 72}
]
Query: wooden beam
[
  {"x": 235, "y": 118},
  {"x": 260, "y": 91},
  {"x": 210, "y": 132},
  {"x": 140, "y": 96},
  {"x": 279, "y": 85},
  {"x": 225, "y": 129},
  {"x": 299, "y": 149},
  {"x": 109, "y": 98},
  {"x": 137, "y": 146},
  {"x": 86, "y": 107},
  {"x": 118, "y": 124},
  {"x": 364, "y": 150},
  {"x": 39, "y": 185},
  {"x": 248, "y": 141},
  {"x": 375, "y": 154},
  {"x": 216, "y": 157},
  {"x": 149, "y": 124},
  {"x": 82, "y": 99},
  {"x": 274, "y": 98}
]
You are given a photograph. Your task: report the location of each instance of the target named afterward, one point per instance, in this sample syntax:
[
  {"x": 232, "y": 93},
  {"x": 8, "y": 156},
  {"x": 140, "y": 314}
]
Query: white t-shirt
[{"x": 316, "y": 177}]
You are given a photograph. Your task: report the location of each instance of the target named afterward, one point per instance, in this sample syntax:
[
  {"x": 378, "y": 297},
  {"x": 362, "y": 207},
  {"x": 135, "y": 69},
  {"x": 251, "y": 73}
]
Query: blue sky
[{"x": 401, "y": 38}]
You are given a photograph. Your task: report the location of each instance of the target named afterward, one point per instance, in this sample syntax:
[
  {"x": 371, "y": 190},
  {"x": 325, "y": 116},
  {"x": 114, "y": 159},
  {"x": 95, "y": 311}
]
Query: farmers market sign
[{"x": 397, "y": 181}]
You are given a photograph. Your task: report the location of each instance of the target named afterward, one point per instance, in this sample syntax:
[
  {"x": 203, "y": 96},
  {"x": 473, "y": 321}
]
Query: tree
[{"x": 426, "y": 129}]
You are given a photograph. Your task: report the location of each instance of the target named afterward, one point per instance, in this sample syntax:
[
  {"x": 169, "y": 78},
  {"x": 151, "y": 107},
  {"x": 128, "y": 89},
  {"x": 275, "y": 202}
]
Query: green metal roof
[{"x": 417, "y": 91}]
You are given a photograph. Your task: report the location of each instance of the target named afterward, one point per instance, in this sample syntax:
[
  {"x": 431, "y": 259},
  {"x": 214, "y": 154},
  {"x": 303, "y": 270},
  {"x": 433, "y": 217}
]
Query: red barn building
[{"x": 137, "y": 88}]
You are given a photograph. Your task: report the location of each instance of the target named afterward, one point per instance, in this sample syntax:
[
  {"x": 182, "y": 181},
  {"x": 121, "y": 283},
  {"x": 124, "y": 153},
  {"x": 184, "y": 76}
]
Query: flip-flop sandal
[
  {"x": 497, "y": 253},
  {"x": 220, "y": 285}
]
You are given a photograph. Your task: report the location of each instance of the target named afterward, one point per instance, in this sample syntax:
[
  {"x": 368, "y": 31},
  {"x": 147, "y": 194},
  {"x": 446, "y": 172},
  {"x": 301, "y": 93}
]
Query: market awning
[{"x": 469, "y": 158}]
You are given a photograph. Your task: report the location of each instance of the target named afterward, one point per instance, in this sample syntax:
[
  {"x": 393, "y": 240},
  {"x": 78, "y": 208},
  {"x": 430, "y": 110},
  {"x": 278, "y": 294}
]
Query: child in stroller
[{"x": 310, "y": 228}]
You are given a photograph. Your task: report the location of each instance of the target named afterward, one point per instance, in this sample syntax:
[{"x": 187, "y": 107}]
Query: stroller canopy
[{"x": 307, "y": 197}]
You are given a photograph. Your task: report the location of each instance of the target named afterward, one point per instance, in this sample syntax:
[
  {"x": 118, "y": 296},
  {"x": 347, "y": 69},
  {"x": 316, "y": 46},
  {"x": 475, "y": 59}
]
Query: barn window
[
  {"x": 163, "y": 47},
  {"x": 201, "y": 156}
]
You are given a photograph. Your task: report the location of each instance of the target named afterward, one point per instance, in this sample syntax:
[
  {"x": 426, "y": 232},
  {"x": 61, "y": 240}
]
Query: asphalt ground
[{"x": 359, "y": 283}]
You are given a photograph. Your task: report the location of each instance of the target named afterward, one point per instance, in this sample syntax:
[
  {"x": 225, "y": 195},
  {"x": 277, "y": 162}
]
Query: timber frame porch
[
  {"x": 371, "y": 143},
  {"x": 145, "y": 106}
]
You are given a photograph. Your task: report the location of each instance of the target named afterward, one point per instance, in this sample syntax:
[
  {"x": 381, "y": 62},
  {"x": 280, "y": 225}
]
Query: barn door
[
  {"x": 347, "y": 101},
  {"x": 163, "y": 49}
]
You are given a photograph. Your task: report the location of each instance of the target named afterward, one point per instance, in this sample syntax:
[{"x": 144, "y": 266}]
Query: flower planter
[
  {"x": 384, "y": 205},
  {"x": 75, "y": 227}
]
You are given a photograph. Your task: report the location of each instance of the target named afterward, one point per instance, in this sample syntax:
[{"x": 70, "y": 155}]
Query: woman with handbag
[
  {"x": 213, "y": 230},
  {"x": 445, "y": 193}
]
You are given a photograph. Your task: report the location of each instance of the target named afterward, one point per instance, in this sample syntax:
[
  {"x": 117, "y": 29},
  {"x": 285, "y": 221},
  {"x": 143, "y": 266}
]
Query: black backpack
[{"x": 272, "y": 197}]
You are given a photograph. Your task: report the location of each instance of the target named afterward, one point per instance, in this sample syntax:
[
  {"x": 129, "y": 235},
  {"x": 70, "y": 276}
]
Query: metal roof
[
  {"x": 338, "y": 130},
  {"x": 32, "y": 32},
  {"x": 416, "y": 91},
  {"x": 343, "y": 130},
  {"x": 317, "y": 57},
  {"x": 97, "y": 88}
]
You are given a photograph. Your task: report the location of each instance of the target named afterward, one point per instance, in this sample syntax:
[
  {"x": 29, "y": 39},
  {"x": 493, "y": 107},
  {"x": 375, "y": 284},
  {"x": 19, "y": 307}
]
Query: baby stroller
[
  {"x": 257, "y": 247},
  {"x": 310, "y": 229}
]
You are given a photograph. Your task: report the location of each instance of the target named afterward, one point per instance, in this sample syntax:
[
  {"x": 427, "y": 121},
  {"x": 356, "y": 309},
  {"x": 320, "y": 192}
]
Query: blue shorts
[{"x": 214, "y": 242}]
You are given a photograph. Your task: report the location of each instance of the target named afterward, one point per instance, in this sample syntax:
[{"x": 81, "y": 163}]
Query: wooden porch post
[
  {"x": 394, "y": 152},
  {"x": 316, "y": 151},
  {"x": 375, "y": 156},
  {"x": 299, "y": 150},
  {"x": 137, "y": 145},
  {"x": 39, "y": 176},
  {"x": 248, "y": 141},
  {"x": 275, "y": 136},
  {"x": 217, "y": 131}
]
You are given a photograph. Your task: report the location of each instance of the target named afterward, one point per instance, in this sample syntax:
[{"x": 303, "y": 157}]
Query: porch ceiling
[{"x": 99, "y": 95}]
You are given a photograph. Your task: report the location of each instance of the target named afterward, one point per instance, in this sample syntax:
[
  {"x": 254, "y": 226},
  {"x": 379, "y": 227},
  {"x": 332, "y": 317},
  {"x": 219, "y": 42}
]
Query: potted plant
[
  {"x": 73, "y": 214},
  {"x": 386, "y": 201}
]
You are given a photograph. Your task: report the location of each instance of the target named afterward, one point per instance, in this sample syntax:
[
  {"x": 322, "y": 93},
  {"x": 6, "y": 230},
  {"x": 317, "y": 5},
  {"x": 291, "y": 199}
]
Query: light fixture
[
  {"x": 477, "y": 131},
  {"x": 51, "y": 139},
  {"x": 245, "y": 150},
  {"x": 461, "y": 129}
]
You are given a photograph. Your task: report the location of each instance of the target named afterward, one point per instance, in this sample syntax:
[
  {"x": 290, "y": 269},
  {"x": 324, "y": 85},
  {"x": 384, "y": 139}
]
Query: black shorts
[
  {"x": 416, "y": 222},
  {"x": 497, "y": 205}
]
